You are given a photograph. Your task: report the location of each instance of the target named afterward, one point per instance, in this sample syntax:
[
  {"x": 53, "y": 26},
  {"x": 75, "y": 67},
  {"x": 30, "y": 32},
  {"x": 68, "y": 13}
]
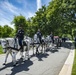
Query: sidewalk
[{"x": 67, "y": 67}]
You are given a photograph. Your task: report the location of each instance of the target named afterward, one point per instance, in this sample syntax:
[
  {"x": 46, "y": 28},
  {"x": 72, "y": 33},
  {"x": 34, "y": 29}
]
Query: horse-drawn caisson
[{"x": 11, "y": 46}]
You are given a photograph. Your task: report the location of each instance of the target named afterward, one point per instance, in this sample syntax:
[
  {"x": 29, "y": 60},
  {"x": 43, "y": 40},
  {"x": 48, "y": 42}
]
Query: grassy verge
[
  {"x": 1, "y": 52},
  {"x": 74, "y": 65}
]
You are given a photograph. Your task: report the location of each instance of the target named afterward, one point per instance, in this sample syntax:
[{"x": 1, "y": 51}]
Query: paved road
[{"x": 49, "y": 63}]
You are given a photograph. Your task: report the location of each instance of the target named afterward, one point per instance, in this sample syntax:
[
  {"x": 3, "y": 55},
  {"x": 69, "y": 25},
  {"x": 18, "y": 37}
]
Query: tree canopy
[
  {"x": 6, "y": 31},
  {"x": 59, "y": 17}
]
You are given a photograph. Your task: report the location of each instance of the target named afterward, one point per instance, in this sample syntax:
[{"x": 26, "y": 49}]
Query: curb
[{"x": 67, "y": 67}]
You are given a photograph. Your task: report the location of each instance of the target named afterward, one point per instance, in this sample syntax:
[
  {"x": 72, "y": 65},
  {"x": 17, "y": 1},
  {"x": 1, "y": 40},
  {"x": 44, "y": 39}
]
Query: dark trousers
[
  {"x": 53, "y": 41},
  {"x": 40, "y": 40},
  {"x": 21, "y": 45}
]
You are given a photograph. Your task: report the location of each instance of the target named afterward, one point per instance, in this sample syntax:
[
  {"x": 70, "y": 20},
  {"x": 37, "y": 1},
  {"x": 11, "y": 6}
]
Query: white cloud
[
  {"x": 4, "y": 15},
  {"x": 8, "y": 10},
  {"x": 30, "y": 14},
  {"x": 6, "y": 6},
  {"x": 4, "y": 21},
  {"x": 21, "y": 1},
  {"x": 38, "y": 4}
]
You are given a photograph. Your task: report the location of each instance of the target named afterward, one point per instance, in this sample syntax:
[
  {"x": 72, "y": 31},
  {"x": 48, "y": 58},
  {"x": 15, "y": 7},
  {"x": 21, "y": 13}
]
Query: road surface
[{"x": 49, "y": 63}]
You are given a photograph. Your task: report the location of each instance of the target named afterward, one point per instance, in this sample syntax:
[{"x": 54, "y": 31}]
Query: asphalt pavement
[{"x": 49, "y": 63}]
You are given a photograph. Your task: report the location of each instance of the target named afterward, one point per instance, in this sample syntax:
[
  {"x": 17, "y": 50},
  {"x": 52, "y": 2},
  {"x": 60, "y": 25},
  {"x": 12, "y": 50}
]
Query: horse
[
  {"x": 11, "y": 46},
  {"x": 33, "y": 43},
  {"x": 39, "y": 44},
  {"x": 48, "y": 41},
  {"x": 57, "y": 41}
]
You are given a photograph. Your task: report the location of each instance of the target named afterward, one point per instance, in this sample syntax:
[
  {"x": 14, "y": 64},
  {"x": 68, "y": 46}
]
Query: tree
[
  {"x": 7, "y": 31},
  {"x": 20, "y": 21},
  {"x": 61, "y": 16},
  {"x": 39, "y": 20},
  {"x": 1, "y": 31}
]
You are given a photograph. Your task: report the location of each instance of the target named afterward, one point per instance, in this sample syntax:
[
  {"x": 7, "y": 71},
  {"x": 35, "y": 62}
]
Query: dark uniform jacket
[
  {"x": 52, "y": 37},
  {"x": 39, "y": 35},
  {"x": 20, "y": 34}
]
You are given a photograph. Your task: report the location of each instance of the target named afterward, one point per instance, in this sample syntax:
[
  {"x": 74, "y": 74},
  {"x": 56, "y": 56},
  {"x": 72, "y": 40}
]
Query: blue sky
[{"x": 11, "y": 8}]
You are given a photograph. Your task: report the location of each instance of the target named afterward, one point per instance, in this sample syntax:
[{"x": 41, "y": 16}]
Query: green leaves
[
  {"x": 59, "y": 17},
  {"x": 5, "y": 31},
  {"x": 20, "y": 21}
]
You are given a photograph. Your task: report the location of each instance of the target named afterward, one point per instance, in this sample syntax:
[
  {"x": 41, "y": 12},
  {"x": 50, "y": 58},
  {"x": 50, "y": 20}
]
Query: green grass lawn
[
  {"x": 74, "y": 65},
  {"x": 1, "y": 51}
]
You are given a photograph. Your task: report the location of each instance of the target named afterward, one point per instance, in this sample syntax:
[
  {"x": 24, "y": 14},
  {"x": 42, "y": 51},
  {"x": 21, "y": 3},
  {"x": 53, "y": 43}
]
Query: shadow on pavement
[
  {"x": 5, "y": 66},
  {"x": 21, "y": 67},
  {"x": 24, "y": 66},
  {"x": 68, "y": 45},
  {"x": 52, "y": 50},
  {"x": 40, "y": 56}
]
